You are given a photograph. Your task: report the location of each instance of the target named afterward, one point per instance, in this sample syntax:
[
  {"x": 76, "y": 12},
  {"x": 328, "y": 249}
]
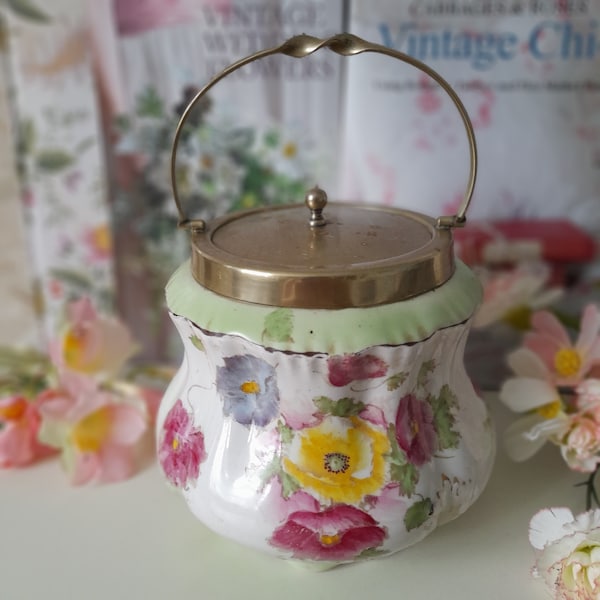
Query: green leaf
[
  {"x": 288, "y": 484},
  {"x": 73, "y": 278},
  {"x": 197, "y": 343},
  {"x": 407, "y": 475},
  {"x": 286, "y": 433},
  {"x": 271, "y": 138},
  {"x": 149, "y": 104},
  {"x": 395, "y": 381},
  {"x": 443, "y": 418},
  {"x": 401, "y": 471},
  {"x": 426, "y": 368},
  {"x": 53, "y": 160},
  {"x": 26, "y": 136},
  {"x": 344, "y": 407},
  {"x": 279, "y": 325},
  {"x": 28, "y": 10},
  {"x": 418, "y": 513},
  {"x": 372, "y": 553}
]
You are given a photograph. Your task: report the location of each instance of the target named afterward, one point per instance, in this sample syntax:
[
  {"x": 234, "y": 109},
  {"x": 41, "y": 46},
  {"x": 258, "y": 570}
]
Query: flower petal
[
  {"x": 526, "y": 363},
  {"x": 522, "y": 394},
  {"x": 548, "y": 525},
  {"x": 127, "y": 424},
  {"x": 116, "y": 463},
  {"x": 589, "y": 328},
  {"x": 524, "y": 437},
  {"x": 547, "y": 324}
]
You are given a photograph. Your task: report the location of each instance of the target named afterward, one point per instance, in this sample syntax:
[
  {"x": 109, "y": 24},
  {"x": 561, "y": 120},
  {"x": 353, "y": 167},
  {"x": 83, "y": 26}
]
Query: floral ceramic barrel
[
  {"x": 324, "y": 436},
  {"x": 322, "y": 412}
]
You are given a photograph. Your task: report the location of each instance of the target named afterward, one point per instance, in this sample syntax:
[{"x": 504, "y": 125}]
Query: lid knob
[{"x": 316, "y": 200}]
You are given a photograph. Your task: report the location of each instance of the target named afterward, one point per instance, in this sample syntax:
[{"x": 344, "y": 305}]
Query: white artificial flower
[
  {"x": 567, "y": 552},
  {"x": 532, "y": 394}
]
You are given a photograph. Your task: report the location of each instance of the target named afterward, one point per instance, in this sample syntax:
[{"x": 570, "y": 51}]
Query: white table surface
[{"x": 136, "y": 539}]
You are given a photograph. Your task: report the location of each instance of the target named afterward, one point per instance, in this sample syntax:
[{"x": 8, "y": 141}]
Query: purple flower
[
  {"x": 415, "y": 430},
  {"x": 182, "y": 448},
  {"x": 248, "y": 388}
]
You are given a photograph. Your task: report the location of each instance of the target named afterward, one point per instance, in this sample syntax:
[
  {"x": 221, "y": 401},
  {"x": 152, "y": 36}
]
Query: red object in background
[
  {"x": 560, "y": 240},
  {"x": 555, "y": 241}
]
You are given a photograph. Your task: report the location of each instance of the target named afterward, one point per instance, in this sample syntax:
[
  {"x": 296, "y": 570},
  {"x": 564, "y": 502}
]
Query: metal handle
[{"x": 345, "y": 44}]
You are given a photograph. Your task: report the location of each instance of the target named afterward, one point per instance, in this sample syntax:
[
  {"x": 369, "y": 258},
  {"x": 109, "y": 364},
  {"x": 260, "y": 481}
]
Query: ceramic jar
[{"x": 322, "y": 412}]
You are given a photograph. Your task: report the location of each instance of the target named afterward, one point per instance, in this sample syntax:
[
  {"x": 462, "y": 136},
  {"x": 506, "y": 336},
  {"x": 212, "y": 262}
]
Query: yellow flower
[{"x": 340, "y": 460}]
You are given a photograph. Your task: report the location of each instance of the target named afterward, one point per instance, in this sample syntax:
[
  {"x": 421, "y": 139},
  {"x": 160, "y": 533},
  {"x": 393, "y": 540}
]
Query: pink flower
[
  {"x": 96, "y": 430},
  {"x": 415, "y": 429},
  {"x": 339, "y": 533},
  {"x": 567, "y": 552},
  {"x": 568, "y": 362},
  {"x": 92, "y": 344},
  {"x": 580, "y": 447},
  {"x": 99, "y": 243},
  {"x": 347, "y": 368},
  {"x": 181, "y": 449},
  {"x": 19, "y": 426}
]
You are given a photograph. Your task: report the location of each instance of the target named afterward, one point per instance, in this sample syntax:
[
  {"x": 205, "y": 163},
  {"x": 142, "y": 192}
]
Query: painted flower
[
  {"x": 415, "y": 429},
  {"x": 567, "y": 362},
  {"x": 507, "y": 294},
  {"x": 340, "y": 460},
  {"x": 181, "y": 449},
  {"x": 19, "y": 426},
  {"x": 248, "y": 388},
  {"x": 567, "y": 552},
  {"x": 346, "y": 368},
  {"x": 99, "y": 242},
  {"x": 95, "y": 430},
  {"x": 532, "y": 394},
  {"x": 92, "y": 344},
  {"x": 339, "y": 533}
]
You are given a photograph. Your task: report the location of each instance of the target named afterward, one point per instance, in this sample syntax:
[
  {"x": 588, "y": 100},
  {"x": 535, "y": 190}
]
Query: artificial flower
[
  {"x": 507, "y": 294},
  {"x": 415, "y": 429},
  {"x": 580, "y": 444},
  {"x": 339, "y": 460},
  {"x": 95, "y": 429},
  {"x": 567, "y": 362},
  {"x": 567, "y": 552},
  {"x": 248, "y": 388},
  {"x": 532, "y": 394},
  {"x": 99, "y": 242},
  {"x": 181, "y": 448},
  {"x": 338, "y": 533},
  {"x": 92, "y": 344},
  {"x": 19, "y": 426},
  {"x": 346, "y": 368}
]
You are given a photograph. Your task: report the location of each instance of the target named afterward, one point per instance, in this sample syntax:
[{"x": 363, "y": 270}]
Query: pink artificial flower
[
  {"x": 96, "y": 430},
  {"x": 339, "y": 533},
  {"x": 346, "y": 368},
  {"x": 92, "y": 344},
  {"x": 569, "y": 363},
  {"x": 181, "y": 450},
  {"x": 19, "y": 426},
  {"x": 567, "y": 552},
  {"x": 507, "y": 292},
  {"x": 580, "y": 446},
  {"x": 415, "y": 430}
]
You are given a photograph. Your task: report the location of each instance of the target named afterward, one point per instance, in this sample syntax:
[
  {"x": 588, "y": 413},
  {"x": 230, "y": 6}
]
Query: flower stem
[{"x": 590, "y": 490}]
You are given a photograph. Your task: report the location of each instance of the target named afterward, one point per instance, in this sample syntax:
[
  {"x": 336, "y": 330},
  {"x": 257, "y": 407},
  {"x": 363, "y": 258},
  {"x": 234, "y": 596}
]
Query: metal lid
[
  {"x": 334, "y": 256},
  {"x": 338, "y": 256}
]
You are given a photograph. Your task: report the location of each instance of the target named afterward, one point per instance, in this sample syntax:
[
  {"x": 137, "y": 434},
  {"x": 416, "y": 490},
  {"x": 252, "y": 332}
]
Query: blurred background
[{"x": 91, "y": 92}]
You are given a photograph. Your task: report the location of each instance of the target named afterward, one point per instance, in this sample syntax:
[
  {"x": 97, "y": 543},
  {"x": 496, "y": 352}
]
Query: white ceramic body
[{"x": 319, "y": 447}]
